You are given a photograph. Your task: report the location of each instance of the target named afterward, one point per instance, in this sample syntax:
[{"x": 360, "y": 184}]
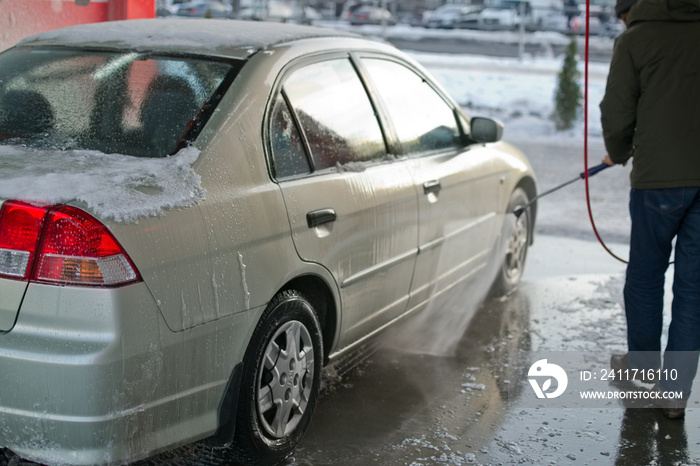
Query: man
[{"x": 650, "y": 113}]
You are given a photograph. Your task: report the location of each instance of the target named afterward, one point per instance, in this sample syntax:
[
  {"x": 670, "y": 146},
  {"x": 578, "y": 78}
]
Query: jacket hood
[{"x": 665, "y": 10}]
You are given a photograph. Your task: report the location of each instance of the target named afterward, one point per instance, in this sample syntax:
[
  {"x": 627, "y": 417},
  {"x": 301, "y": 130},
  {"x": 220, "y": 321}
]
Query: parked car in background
[
  {"x": 371, "y": 15},
  {"x": 269, "y": 11},
  {"x": 556, "y": 22},
  {"x": 197, "y": 215},
  {"x": 414, "y": 19},
  {"x": 452, "y": 16},
  {"x": 168, "y": 7},
  {"x": 205, "y": 10},
  {"x": 308, "y": 15},
  {"x": 503, "y": 15},
  {"x": 534, "y": 15},
  {"x": 602, "y": 22}
]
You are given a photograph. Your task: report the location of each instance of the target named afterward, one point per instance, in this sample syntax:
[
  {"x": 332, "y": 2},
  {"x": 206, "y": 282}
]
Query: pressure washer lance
[{"x": 591, "y": 171}]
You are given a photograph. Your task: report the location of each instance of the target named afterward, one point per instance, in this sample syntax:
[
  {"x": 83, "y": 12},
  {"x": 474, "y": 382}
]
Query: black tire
[
  {"x": 280, "y": 382},
  {"x": 516, "y": 242}
]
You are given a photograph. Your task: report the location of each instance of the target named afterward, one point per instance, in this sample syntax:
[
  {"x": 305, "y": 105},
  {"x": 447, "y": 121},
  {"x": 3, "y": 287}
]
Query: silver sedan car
[{"x": 197, "y": 215}]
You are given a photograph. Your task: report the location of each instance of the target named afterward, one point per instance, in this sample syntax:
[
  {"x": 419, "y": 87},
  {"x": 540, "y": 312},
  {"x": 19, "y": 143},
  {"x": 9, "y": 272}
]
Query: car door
[
  {"x": 351, "y": 208},
  {"x": 457, "y": 184}
]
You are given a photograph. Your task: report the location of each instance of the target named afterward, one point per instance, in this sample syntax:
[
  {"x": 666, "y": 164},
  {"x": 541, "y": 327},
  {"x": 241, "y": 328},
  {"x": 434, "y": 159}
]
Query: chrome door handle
[
  {"x": 433, "y": 187},
  {"x": 319, "y": 217}
]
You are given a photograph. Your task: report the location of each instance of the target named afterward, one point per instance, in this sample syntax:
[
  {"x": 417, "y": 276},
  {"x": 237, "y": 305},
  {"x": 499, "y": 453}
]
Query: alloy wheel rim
[
  {"x": 517, "y": 248},
  {"x": 285, "y": 379}
]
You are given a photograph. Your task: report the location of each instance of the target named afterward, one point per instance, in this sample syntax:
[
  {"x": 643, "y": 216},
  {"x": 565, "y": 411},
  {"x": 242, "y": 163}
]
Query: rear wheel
[
  {"x": 280, "y": 382},
  {"x": 517, "y": 240}
]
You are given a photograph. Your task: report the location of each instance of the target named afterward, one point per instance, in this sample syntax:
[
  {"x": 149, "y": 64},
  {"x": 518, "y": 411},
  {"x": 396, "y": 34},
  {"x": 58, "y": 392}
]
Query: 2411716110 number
[{"x": 643, "y": 375}]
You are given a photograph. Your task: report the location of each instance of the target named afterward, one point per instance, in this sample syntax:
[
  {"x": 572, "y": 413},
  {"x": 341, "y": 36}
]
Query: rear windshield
[{"x": 129, "y": 103}]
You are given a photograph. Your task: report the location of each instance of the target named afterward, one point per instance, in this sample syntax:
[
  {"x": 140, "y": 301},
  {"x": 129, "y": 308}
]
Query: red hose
[{"x": 585, "y": 136}]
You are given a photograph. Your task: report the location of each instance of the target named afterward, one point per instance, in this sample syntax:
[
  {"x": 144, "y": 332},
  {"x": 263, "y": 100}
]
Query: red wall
[{"x": 21, "y": 18}]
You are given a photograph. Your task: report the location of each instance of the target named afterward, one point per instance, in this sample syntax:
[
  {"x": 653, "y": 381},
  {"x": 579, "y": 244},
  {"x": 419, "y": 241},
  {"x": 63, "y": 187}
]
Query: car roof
[{"x": 229, "y": 38}]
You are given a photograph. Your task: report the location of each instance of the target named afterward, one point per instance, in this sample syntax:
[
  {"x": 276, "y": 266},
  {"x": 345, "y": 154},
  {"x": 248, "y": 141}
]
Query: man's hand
[{"x": 607, "y": 160}]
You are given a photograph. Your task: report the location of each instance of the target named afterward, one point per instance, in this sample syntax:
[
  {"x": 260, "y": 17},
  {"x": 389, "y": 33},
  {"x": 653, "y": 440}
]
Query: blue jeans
[{"x": 659, "y": 216}]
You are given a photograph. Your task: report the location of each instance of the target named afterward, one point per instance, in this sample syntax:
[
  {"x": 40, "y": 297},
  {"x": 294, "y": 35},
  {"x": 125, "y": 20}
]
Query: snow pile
[{"x": 118, "y": 187}]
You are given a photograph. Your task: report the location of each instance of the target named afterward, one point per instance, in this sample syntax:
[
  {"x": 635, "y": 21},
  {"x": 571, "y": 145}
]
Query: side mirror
[{"x": 485, "y": 130}]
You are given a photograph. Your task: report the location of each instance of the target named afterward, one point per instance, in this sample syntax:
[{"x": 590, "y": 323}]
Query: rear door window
[
  {"x": 289, "y": 156},
  {"x": 335, "y": 114}
]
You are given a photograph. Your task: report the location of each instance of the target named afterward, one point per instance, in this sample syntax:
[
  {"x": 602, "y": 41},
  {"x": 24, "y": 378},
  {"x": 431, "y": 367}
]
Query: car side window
[
  {"x": 424, "y": 122},
  {"x": 288, "y": 154},
  {"x": 335, "y": 113}
]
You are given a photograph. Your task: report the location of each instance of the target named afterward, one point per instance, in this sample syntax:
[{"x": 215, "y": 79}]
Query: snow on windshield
[{"x": 118, "y": 187}]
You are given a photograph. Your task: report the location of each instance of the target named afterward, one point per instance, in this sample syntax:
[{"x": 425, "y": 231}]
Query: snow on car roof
[{"x": 236, "y": 39}]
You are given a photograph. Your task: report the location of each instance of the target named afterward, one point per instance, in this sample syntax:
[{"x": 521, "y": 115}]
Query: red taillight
[
  {"x": 62, "y": 245},
  {"x": 20, "y": 227}
]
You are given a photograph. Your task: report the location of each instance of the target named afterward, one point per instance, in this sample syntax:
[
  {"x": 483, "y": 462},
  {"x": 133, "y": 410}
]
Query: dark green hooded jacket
[{"x": 651, "y": 108}]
